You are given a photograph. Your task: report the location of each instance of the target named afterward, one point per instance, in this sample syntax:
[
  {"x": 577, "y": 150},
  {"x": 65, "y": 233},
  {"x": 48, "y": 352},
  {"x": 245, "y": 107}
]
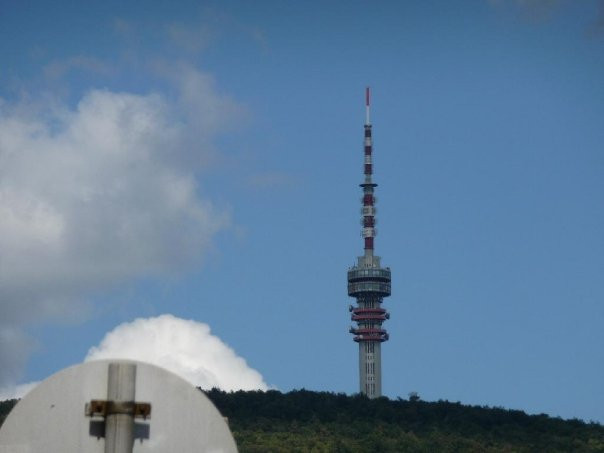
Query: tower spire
[
  {"x": 368, "y": 282},
  {"x": 368, "y": 209},
  {"x": 367, "y": 104}
]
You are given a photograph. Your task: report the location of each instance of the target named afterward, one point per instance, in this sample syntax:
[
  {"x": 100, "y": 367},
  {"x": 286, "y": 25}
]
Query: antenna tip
[{"x": 367, "y": 96}]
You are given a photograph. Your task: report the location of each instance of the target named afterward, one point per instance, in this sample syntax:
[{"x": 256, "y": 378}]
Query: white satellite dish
[{"x": 81, "y": 409}]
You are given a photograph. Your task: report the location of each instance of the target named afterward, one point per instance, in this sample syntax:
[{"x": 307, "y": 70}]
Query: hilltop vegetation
[
  {"x": 305, "y": 421},
  {"x": 5, "y": 408}
]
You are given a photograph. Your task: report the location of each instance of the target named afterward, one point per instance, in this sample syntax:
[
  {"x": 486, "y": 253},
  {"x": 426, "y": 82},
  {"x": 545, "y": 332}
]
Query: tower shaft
[{"x": 368, "y": 282}]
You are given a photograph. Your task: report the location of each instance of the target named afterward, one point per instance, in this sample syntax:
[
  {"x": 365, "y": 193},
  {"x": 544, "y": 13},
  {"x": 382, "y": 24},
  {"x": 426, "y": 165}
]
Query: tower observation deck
[{"x": 369, "y": 283}]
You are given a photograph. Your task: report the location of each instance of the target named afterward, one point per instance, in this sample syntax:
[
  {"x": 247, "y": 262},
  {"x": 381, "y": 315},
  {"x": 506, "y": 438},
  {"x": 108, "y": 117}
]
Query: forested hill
[{"x": 304, "y": 421}]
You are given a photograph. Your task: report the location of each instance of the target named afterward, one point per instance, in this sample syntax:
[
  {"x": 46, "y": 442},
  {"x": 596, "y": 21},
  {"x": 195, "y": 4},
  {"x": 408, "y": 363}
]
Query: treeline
[
  {"x": 302, "y": 421},
  {"x": 5, "y": 408},
  {"x": 305, "y": 421}
]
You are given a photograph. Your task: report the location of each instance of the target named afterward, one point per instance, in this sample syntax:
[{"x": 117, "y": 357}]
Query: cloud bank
[
  {"x": 184, "y": 347},
  {"x": 98, "y": 194},
  {"x": 16, "y": 391}
]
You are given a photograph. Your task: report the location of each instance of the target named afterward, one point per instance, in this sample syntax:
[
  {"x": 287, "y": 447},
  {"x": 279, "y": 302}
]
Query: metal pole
[{"x": 119, "y": 422}]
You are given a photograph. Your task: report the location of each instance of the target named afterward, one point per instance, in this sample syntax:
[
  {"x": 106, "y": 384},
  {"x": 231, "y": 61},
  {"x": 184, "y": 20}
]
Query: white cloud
[
  {"x": 95, "y": 195},
  {"x": 16, "y": 391},
  {"x": 14, "y": 348},
  {"x": 205, "y": 111},
  {"x": 190, "y": 39},
  {"x": 58, "y": 68},
  {"x": 184, "y": 347}
]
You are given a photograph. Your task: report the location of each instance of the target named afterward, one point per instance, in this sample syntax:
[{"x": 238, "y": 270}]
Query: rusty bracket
[{"x": 103, "y": 408}]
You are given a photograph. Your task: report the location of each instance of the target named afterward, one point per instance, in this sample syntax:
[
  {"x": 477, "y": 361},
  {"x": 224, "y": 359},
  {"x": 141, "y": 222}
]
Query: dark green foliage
[
  {"x": 5, "y": 408},
  {"x": 304, "y": 421}
]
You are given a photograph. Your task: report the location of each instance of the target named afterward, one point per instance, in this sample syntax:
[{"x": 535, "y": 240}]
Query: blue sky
[{"x": 234, "y": 198}]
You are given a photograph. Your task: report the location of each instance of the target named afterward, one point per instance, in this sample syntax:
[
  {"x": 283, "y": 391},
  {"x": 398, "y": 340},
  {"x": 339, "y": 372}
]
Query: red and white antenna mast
[{"x": 368, "y": 210}]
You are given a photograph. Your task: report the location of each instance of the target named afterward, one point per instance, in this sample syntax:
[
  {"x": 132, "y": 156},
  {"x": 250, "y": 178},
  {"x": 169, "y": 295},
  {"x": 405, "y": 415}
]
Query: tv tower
[{"x": 369, "y": 283}]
